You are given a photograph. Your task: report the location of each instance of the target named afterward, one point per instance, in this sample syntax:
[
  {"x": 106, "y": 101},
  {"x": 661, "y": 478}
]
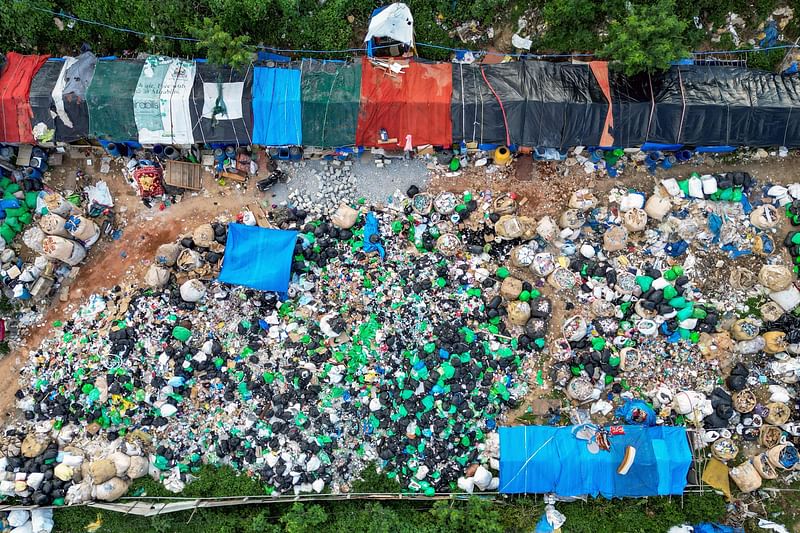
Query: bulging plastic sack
[
  {"x": 111, "y": 490},
  {"x": 635, "y": 220},
  {"x": 615, "y": 239},
  {"x": 764, "y": 217},
  {"x": 18, "y": 518},
  {"x": 167, "y": 254},
  {"x": 344, "y": 217},
  {"x": 156, "y": 276},
  {"x": 482, "y": 478},
  {"x": 467, "y": 484},
  {"x": 193, "y": 291},
  {"x": 746, "y": 477},
  {"x": 657, "y": 207},
  {"x": 775, "y": 277},
  {"x": 42, "y": 520},
  {"x": 788, "y": 299}
]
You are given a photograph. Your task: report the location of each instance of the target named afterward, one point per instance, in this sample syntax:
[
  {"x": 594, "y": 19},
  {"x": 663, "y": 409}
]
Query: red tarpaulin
[
  {"x": 15, "y": 104},
  {"x": 416, "y": 102}
]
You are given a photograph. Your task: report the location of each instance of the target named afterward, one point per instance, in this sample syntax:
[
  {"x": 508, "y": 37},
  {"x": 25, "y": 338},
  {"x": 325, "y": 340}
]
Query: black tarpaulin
[
  {"x": 552, "y": 105},
  {"x": 699, "y": 105},
  {"x": 41, "y": 98},
  {"x": 774, "y": 115},
  {"x": 631, "y": 99},
  {"x": 564, "y": 105},
  {"x": 225, "y": 119},
  {"x": 475, "y": 110}
]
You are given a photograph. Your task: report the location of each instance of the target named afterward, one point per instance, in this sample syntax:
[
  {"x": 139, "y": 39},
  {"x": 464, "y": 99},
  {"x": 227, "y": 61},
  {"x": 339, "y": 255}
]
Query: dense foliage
[
  {"x": 231, "y": 29},
  {"x": 646, "y": 38},
  {"x": 518, "y": 514}
]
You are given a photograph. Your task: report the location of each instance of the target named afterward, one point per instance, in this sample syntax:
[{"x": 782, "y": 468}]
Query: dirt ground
[{"x": 546, "y": 186}]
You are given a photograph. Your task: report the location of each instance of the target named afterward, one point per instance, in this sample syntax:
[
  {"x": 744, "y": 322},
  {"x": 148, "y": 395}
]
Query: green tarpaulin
[
  {"x": 110, "y": 99},
  {"x": 330, "y": 93}
]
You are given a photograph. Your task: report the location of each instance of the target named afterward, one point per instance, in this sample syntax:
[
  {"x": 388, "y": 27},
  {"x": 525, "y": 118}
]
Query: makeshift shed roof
[
  {"x": 395, "y": 22},
  {"x": 258, "y": 258},
  {"x": 546, "y": 459}
]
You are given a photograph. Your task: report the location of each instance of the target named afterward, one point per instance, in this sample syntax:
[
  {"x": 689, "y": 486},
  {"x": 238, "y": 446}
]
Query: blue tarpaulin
[
  {"x": 546, "y": 459},
  {"x": 276, "y": 107},
  {"x": 258, "y": 258}
]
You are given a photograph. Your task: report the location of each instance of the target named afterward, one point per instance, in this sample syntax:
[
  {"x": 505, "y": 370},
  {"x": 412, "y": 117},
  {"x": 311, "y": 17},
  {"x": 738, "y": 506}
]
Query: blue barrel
[
  {"x": 668, "y": 162},
  {"x": 683, "y": 155},
  {"x": 596, "y": 156},
  {"x": 654, "y": 157},
  {"x": 158, "y": 150},
  {"x": 33, "y": 173},
  {"x": 612, "y": 172},
  {"x": 230, "y": 152},
  {"x": 112, "y": 149}
]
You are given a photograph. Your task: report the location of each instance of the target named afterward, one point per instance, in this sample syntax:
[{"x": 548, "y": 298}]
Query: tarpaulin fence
[
  {"x": 330, "y": 104},
  {"x": 276, "y": 107},
  {"x": 58, "y": 98},
  {"x": 413, "y": 102},
  {"x": 705, "y": 105},
  {"x": 110, "y": 100},
  {"x": 15, "y": 105}
]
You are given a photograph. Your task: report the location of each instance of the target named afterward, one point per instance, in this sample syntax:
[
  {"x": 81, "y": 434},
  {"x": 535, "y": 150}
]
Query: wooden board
[
  {"x": 183, "y": 175},
  {"x": 233, "y": 177}
]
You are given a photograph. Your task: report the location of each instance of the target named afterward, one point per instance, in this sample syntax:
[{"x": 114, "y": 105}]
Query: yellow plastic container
[{"x": 502, "y": 155}]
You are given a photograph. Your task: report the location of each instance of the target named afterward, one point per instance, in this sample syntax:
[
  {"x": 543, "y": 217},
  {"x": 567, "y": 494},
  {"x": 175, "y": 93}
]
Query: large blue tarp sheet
[
  {"x": 258, "y": 258},
  {"x": 546, "y": 459},
  {"x": 276, "y": 107}
]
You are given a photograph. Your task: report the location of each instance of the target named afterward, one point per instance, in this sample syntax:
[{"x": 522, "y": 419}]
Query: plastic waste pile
[
  {"x": 408, "y": 331},
  {"x": 391, "y": 347},
  {"x": 644, "y": 324}
]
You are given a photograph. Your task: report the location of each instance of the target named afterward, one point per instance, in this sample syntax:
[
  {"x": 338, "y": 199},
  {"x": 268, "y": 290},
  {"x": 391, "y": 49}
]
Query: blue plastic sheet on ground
[
  {"x": 258, "y": 258},
  {"x": 370, "y": 229},
  {"x": 636, "y": 412},
  {"x": 276, "y": 107},
  {"x": 544, "y": 459}
]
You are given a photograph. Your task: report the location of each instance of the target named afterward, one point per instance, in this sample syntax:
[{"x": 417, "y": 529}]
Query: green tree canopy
[
  {"x": 221, "y": 47},
  {"x": 646, "y": 39}
]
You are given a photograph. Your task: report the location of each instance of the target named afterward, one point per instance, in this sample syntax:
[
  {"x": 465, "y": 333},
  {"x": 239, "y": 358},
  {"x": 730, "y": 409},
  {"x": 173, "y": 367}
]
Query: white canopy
[{"x": 394, "y": 22}]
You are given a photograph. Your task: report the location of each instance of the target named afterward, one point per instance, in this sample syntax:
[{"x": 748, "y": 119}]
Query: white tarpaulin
[
  {"x": 161, "y": 101},
  {"x": 394, "y": 22},
  {"x": 58, "y": 91}
]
